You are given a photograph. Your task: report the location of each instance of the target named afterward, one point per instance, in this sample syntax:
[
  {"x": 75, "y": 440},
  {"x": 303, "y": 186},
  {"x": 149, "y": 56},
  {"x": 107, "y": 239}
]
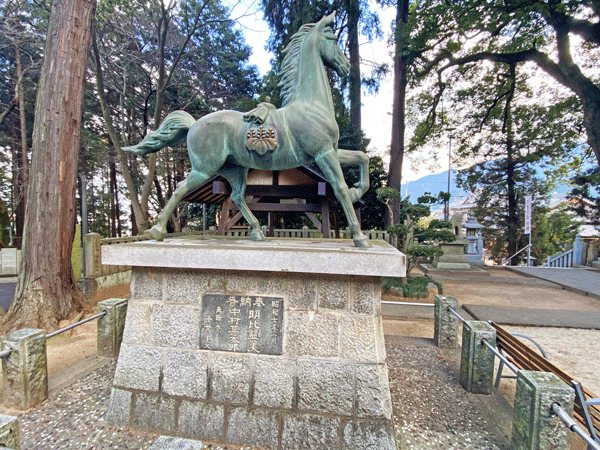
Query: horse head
[{"x": 330, "y": 51}]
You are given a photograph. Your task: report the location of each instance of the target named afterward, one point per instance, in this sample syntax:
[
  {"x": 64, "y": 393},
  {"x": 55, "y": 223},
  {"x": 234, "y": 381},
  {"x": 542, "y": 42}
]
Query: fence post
[
  {"x": 110, "y": 326},
  {"x": 477, "y": 361},
  {"x": 93, "y": 255},
  {"x": 535, "y": 427},
  {"x": 305, "y": 231},
  {"x": 25, "y": 369},
  {"x": 9, "y": 432},
  {"x": 577, "y": 250},
  {"x": 445, "y": 332}
]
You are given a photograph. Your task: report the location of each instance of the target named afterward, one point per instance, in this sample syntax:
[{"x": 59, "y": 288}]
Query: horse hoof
[
  {"x": 362, "y": 242},
  {"x": 157, "y": 234},
  {"x": 257, "y": 235}
]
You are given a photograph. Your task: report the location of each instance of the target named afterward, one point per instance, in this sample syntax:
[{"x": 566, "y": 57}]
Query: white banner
[{"x": 528, "y": 214}]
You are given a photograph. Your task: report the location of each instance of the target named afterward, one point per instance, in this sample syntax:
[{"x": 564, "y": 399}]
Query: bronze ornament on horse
[{"x": 303, "y": 130}]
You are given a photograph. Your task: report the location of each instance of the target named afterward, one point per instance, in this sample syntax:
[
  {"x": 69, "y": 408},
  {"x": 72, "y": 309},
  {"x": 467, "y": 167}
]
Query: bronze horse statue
[{"x": 303, "y": 130}]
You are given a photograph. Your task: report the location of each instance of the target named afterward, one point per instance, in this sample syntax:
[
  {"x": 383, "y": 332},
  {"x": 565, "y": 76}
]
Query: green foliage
[
  {"x": 424, "y": 251},
  {"x": 408, "y": 229},
  {"x": 414, "y": 287}
]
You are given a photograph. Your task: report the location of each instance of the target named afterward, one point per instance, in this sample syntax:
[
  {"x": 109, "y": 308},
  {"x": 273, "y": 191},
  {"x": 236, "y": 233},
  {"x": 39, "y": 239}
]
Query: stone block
[
  {"x": 119, "y": 409},
  {"x": 535, "y": 427},
  {"x": 310, "y": 432},
  {"x": 9, "y": 261},
  {"x": 154, "y": 413},
  {"x": 173, "y": 443},
  {"x": 138, "y": 368},
  {"x": 9, "y": 432},
  {"x": 241, "y": 283},
  {"x": 312, "y": 334},
  {"x": 147, "y": 284},
  {"x": 138, "y": 326},
  {"x": 301, "y": 291},
  {"x": 185, "y": 374},
  {"x": 273, "y": 383},
  {"x": 110, "y": 326},
  {"x": 253, "y": 427},
  {"x": 359, "y": 339},
  {"x": 25, "y": 369},
  {"x": 176, "y": 326},
  {"x": 369, "y": 435},
  {"x": 230, "y": 379},
  {"x": 185, "y": 287},
  {"x": 477, "y": 361},
  {"x": 367, "y": 296},
  {"x": 199, "y": 420},
  {"x": 326, "y": 387},
  {"x": 445, "y": 332},
  {"x": 334, "y": 293},
  {"x": 373, "y": 398}
]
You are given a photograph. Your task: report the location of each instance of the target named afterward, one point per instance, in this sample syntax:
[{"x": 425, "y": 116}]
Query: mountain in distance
[
  {"x": 438, "y": 182},
  {"x": 434, "y": 184}
]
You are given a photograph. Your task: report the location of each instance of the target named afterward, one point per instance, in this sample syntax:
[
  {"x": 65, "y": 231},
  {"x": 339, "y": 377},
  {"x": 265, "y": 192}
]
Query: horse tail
[{"x": 171, "y": 132}]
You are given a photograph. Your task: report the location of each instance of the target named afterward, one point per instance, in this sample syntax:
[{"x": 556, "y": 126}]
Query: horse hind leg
[
  {"x": 193, "y": 180},
  {"x": 330, "y": 165},
  {"x": 356, "y": 158},
  {"x": 237, "y": 179}
]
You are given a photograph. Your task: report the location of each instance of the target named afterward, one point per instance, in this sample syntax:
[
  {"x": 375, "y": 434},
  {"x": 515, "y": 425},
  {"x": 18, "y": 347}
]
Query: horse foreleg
[
  {"x": 194, "y": 179},
  {"x": 330, "y": 165},
  {"x": 237, "y": 179},
  {"x": 356, "y": 158}
]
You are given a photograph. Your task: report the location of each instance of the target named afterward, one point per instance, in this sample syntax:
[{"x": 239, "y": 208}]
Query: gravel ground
[{"x": 431, "y": 410}]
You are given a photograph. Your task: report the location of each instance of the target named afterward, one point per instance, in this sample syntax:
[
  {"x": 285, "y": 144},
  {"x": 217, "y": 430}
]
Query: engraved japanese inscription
[{"x": 242, "y": 323}]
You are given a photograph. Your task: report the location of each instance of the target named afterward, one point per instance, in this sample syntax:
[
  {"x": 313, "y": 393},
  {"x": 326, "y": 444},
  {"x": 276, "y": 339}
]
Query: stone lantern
[{"x": 473, "y": 235}]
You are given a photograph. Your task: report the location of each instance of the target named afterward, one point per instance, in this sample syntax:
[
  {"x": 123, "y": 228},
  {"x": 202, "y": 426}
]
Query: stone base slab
[
  {"x": 326, "y": 386},
  {"x": 451, "y": 265}
]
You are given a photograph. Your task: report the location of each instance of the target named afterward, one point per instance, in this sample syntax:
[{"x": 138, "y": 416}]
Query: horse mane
[{"x": 290, "y": 66}]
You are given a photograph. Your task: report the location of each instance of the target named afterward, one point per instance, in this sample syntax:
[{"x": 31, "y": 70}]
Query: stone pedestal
[
  {"x": 445, "y": 333},
  {"x": 275, "y": 344},
  {"x": 477, "y": 361},
  {"x": 535, "y": 427},
  {"x": 25, "y": 370},
  {"x": 454, "y": 256}
]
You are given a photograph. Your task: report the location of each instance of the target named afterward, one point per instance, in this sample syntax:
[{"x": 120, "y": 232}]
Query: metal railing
[
  {"x": 574, "y": 426},
  {"x": 591, "y": 439},
  {"x": 6, "y": 353},
  {"x": 507, "y": 260},
  {"x": 76, "y": 324},
  {"x": 564, "y": 259},
  {"x": 389, "y": 302}
]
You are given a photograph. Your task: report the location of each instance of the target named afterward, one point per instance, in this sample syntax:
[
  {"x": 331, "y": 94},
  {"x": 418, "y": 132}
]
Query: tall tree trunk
[
  {"x": 398, "y": 109},
  {"x": 46, "y": 289},
  {"x": 139, "y": 221},
  {"x": 22, "y": 166},
  {"x": 512, "y": 219},
  {"x": 353, "y": 8}
]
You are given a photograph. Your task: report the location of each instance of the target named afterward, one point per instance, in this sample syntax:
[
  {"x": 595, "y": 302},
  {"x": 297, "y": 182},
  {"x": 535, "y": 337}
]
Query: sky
[{"x": 376, "y": 109}]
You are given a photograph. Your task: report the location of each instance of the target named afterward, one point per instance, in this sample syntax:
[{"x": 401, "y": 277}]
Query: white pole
[{"x": 529, "y": 251}]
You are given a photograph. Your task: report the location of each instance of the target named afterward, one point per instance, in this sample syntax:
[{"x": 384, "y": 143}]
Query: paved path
[
  {"x": 7, "y": 291},
  {"x": 582, "y": 281},
  {"x": 589, "y": 320}
]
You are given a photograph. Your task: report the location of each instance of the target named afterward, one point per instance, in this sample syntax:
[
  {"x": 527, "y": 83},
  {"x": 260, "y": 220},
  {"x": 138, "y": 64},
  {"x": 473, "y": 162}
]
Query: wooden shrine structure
[{"x": 293, "y": 190}]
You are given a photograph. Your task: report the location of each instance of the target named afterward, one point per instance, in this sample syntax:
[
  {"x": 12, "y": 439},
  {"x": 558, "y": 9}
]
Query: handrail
[
  {"x": 76, "y": 324},
  {"x": 507, "y": 260},
  {"x": 574, "y": 426}
]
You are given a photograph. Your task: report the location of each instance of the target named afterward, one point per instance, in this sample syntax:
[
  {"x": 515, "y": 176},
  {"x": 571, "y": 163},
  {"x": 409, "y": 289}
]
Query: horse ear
[{"x": 325, "y": 21}]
